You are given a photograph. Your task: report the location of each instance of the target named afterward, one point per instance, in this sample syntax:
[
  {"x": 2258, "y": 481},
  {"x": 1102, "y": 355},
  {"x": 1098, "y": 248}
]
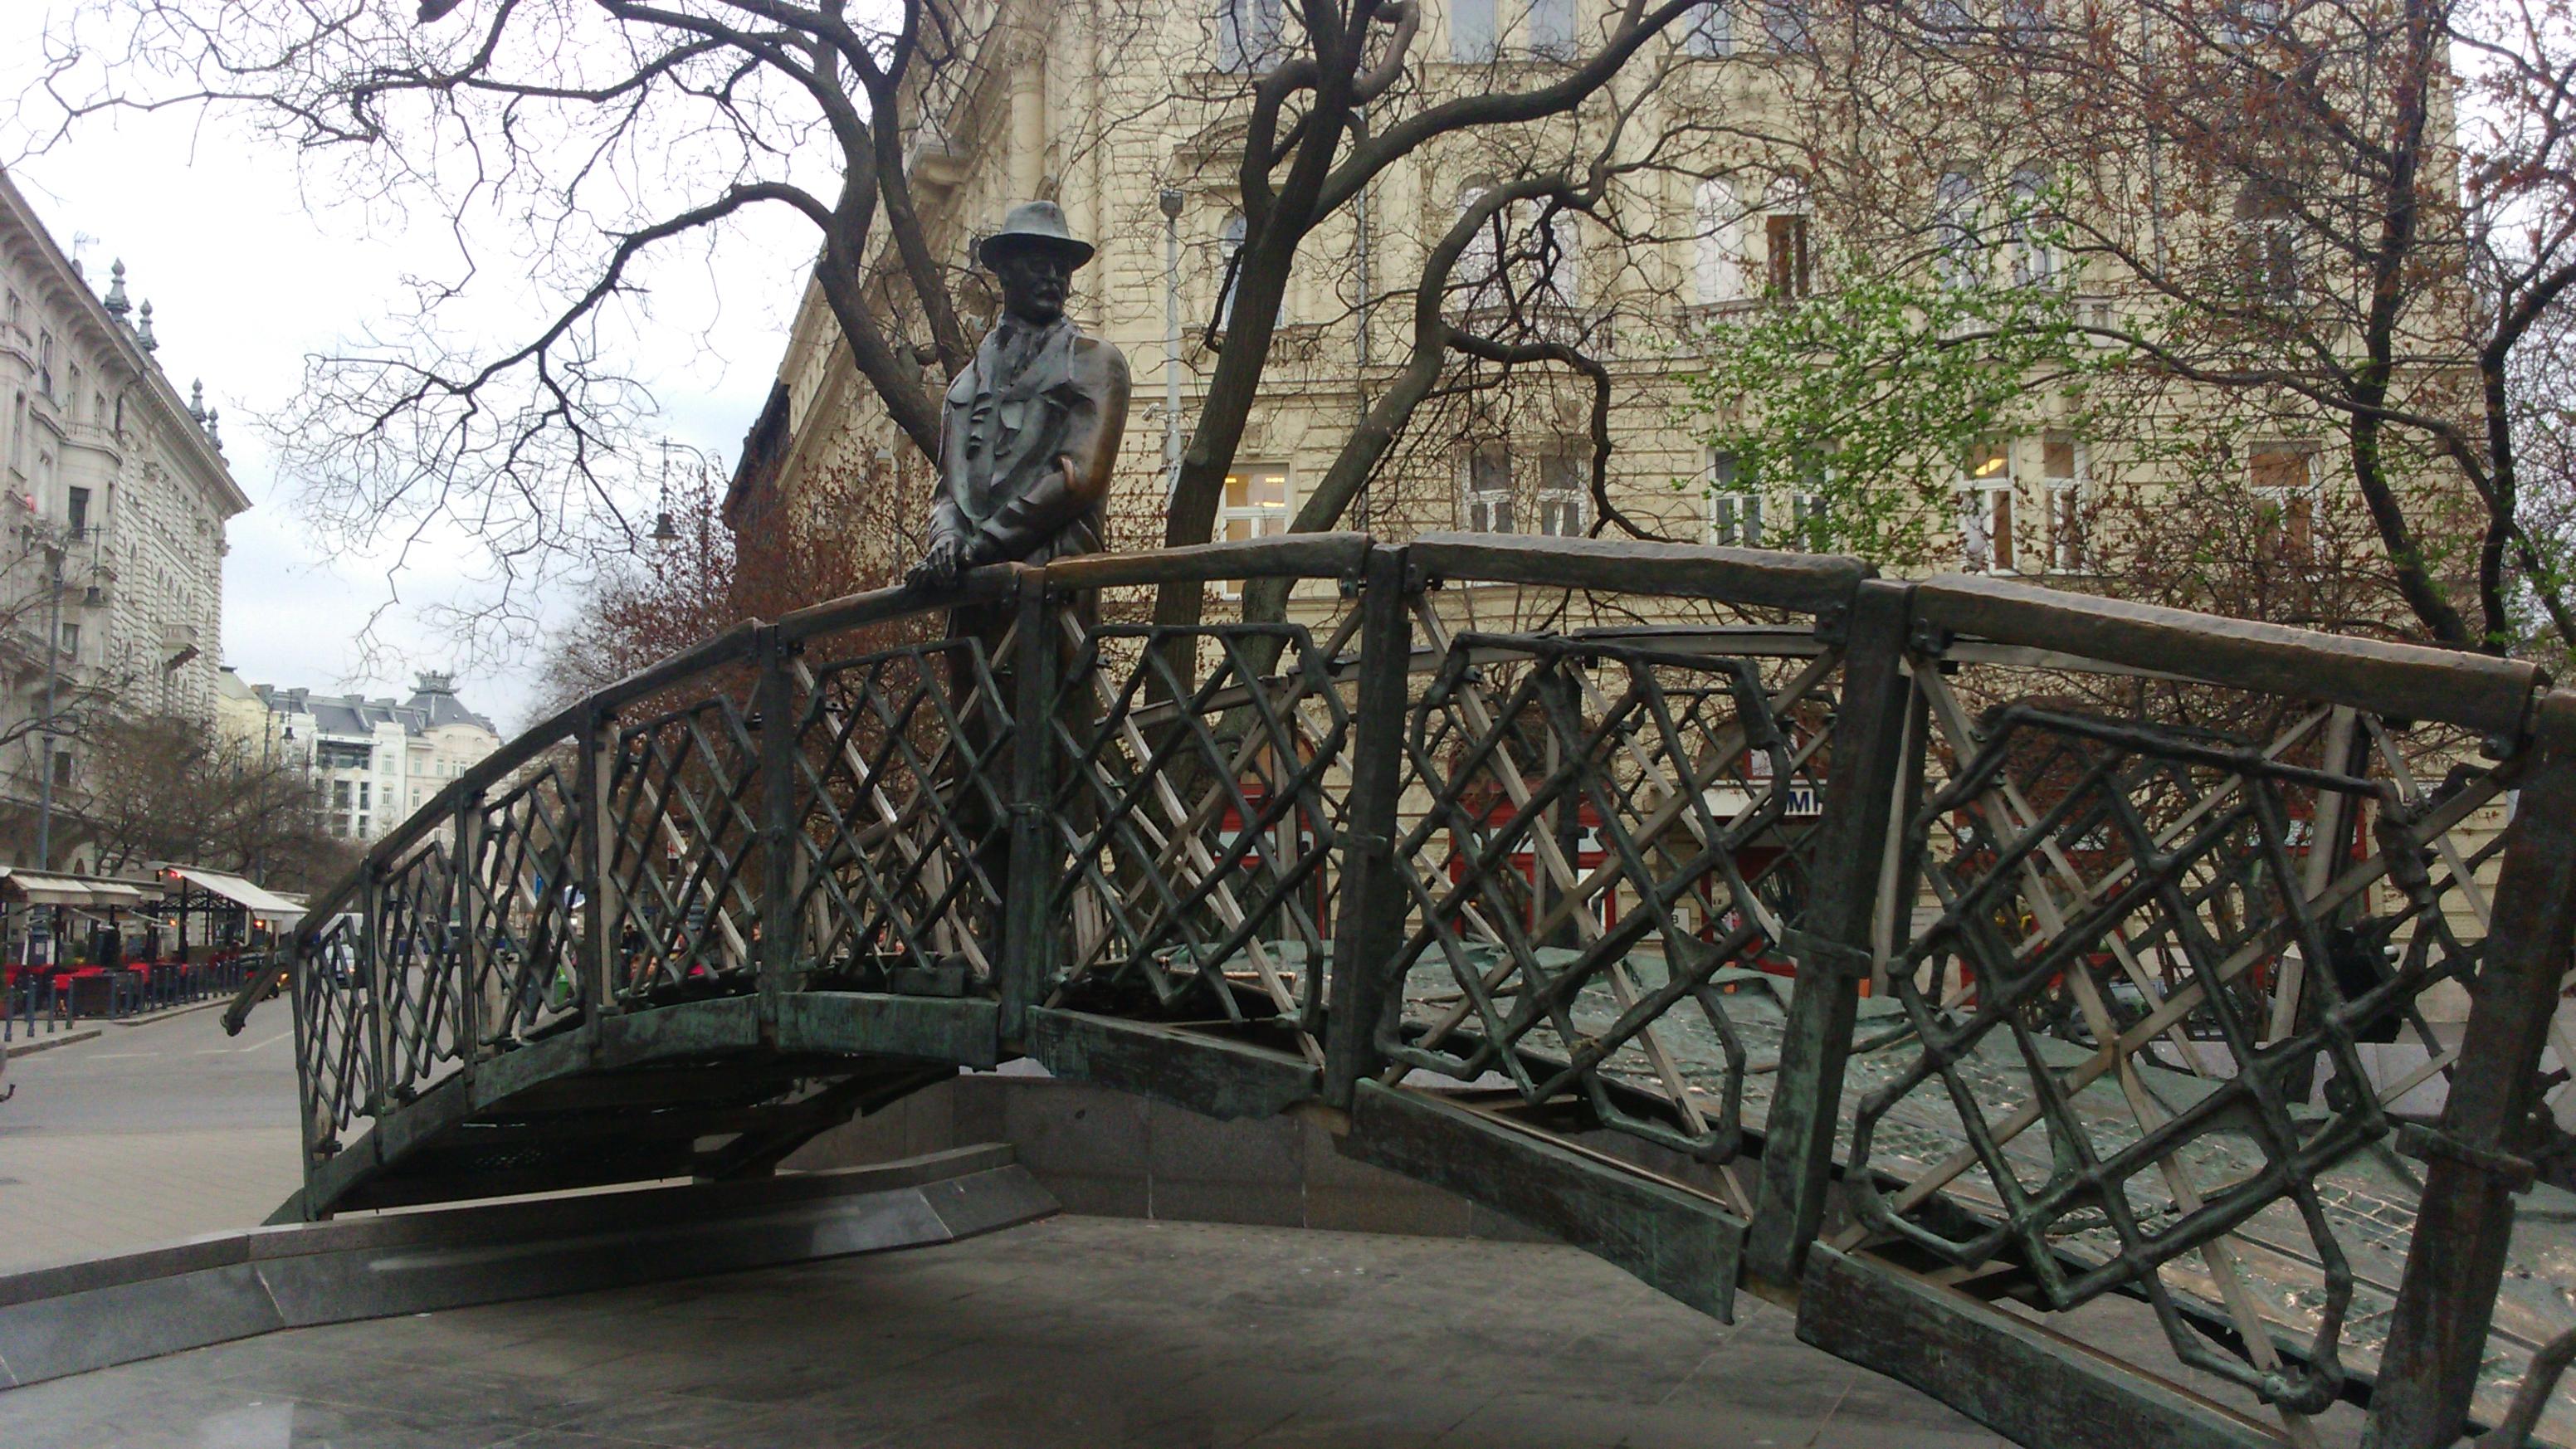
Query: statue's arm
[
  {"x": 1084, "y": 463},
  {"x": 948, "y": 522}
]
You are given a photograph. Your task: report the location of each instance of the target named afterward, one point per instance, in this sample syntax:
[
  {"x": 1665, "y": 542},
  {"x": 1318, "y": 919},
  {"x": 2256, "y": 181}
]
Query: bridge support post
[
  {"x": 1872, "y": 734},
  {"x": 591, "y": 868},
  {"x": 464, "y": 915},
  {"x": 775, "y": 700},
  {"x": 2446, "y": 1300},
  {"x": 1027, "y": 938},
  {"x": 371, "y": 965},
  {"x": 1363, "y": 993}
]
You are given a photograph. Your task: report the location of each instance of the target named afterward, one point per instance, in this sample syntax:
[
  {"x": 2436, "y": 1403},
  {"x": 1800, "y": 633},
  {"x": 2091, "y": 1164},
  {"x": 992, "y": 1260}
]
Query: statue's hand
[{"x": 942, "y": 567}]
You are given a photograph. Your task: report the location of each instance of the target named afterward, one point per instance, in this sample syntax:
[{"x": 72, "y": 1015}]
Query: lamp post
[
  {"x": 53, "y": 659},
  {"x": 1172, "y": 201}
]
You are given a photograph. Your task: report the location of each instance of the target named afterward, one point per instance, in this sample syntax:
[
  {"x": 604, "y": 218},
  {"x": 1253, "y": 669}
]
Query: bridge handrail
[{"x": 1495, "y": 805}]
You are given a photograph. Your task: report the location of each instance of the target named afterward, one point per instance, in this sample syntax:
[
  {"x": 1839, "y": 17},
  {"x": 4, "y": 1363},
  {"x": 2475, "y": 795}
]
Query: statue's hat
[{"x": 1034, "y": 224}]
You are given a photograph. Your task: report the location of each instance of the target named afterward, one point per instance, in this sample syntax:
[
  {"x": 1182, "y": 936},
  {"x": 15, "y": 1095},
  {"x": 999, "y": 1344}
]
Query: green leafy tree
[{"x": 1866, "y": 398}]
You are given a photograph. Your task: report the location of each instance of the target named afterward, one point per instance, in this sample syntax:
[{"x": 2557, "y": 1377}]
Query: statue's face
[{"x": 1034, "y": 283}]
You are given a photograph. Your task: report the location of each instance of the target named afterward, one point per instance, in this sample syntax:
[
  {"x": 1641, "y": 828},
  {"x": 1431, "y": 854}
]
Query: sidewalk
[{"x": 130, "y": 1138}]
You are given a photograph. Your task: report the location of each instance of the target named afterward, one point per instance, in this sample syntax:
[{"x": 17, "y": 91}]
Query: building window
[
  {"x": 341, "y": 755},
  {"x": 1250, "y": 34},
  {"x": 1551, "y": 29},
  {"x": 2026, "y": 20},
  {"x": 1712, "y": 31},
  {"x": 1790, "y": 26},
  {"x": 1784, "y": 239},
  {"x": 1734, "y": 516},
  {"x": 2062, "y": 469},
  {"x": 1255, "y": 506},
  {"x": 339, "y": 795},
  {"x": 1561, "y": 493},
  {"x": 1474, "y": 34},
  {"x": 2245, "y": 22},
  {"x": 1954, "y": 228},
  {"x": 1986, "y": 510},
  {"x": 366, "y": 795},
  {"x": 1487, "y": 489},
  {"x": 69, "y": 642},
  {"x": 2284, "y": 478},
  {"x": 76, "y": 513},
  {"x": 1811, "y": 518},
  {"x": 62, "y": 767},
  {"x": 45, "y": 362},
  {"x": 2267, "y": 248},
  {"x": 2034, "y": 261},
  {"x": 1719, "y": 269},
  {"x": 1785, "y": 255},
  {"x": 1229, "y": 251}
]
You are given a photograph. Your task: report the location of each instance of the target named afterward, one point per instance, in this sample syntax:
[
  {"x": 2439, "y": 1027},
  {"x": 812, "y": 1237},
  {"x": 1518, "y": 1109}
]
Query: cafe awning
[
  {"x": 37, "y": 888},
  {"x": 237, "y": 890},
  {"x": 104, "y": 893}
]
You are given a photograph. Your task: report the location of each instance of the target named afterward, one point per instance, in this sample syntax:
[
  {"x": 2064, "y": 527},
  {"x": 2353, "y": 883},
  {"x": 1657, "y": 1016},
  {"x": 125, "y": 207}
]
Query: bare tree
[
  {"x": 164, "y": 788},
  {"x": 614, "y": 136}
]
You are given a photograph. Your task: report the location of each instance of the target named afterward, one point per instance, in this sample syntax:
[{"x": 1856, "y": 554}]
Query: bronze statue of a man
[{"x": 1031, "y": 427}]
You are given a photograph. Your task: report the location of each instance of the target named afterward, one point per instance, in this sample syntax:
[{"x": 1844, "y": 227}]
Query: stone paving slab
[{"x": 1069, "y": 1332}]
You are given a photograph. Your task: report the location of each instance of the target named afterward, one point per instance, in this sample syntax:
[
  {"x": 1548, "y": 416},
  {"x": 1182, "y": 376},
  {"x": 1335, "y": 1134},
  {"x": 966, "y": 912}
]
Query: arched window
[
  {"x": 2034, "y": 259},
  {"x": 1229, "y": 247},
  {"x": 1954, "y": 229},
  {"x": 1712, "y": 30},
  {"x": 1250, "y": 34}
]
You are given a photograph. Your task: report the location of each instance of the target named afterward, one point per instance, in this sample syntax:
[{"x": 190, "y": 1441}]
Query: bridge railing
[{"x": 2057, "y": 947}]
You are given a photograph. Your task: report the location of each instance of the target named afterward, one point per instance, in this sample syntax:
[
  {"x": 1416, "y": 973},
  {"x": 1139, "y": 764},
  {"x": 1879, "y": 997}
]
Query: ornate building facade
[{"x": 111, "y": 530}]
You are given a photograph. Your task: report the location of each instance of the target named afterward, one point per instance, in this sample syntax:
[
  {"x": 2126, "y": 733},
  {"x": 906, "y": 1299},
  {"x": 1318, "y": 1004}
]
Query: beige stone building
[
  {"x": 111, "y": 527},
  {"x": 1132, "y": 123}
]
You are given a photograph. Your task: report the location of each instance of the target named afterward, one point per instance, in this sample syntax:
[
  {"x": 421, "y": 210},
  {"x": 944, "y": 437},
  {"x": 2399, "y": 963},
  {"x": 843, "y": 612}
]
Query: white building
[
  {"x": 374, "y": 760},
  {"x": 113, "y": 499}
]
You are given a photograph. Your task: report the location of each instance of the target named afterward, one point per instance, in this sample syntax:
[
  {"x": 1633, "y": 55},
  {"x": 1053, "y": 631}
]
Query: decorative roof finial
[
  {"x": 143, "y": 331},
  {"x": 115, "y": 301},
  {"x": 197, "y": 400},
  {"x": 213, "y": 435}
]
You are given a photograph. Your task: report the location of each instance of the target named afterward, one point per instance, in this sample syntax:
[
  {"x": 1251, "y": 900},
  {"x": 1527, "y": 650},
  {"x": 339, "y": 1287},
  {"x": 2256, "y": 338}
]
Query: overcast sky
[{"x": 245, "y": 280}]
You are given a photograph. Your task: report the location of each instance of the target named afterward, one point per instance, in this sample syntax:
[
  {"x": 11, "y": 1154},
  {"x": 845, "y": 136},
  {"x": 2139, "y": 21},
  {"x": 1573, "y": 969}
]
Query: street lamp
[
  {"x": 1172, "y": 200},
  {"x": 53, "y": 659}
]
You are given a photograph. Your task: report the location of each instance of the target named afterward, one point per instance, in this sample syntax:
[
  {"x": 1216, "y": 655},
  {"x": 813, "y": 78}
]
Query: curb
[
  {"x": 20, "y": 1049},
  {"x": 88, "y": 1314},
  {"x": 158, "y": 1016}
]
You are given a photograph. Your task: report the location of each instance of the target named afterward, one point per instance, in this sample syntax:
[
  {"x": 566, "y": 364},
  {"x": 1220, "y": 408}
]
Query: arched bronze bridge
[{"x": 1954, "y": 960}]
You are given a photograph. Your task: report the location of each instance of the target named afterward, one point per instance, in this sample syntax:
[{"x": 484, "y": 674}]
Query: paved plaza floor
[{"x": 1070, "y": 1332}]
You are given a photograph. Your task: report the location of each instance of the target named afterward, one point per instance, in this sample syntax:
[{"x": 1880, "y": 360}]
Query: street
[{"x": 148, "y": 1134}]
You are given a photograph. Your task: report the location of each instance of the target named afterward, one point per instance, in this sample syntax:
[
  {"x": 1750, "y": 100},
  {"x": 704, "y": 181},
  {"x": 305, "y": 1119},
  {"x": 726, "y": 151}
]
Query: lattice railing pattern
[
  {"x": 419, "y": 943},
  {"x": 335, "y": 1002},
  {"x": 1601, "y": 855},
  {"x": 2144, "y": 940},
  {"x": 1202, "y": 817},
  {"x": 903, "y": 762},
  {"x": 522, "y": 906},
  {"x": 2140, "y": 997},
  {"x": 683, "y": 828}
]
